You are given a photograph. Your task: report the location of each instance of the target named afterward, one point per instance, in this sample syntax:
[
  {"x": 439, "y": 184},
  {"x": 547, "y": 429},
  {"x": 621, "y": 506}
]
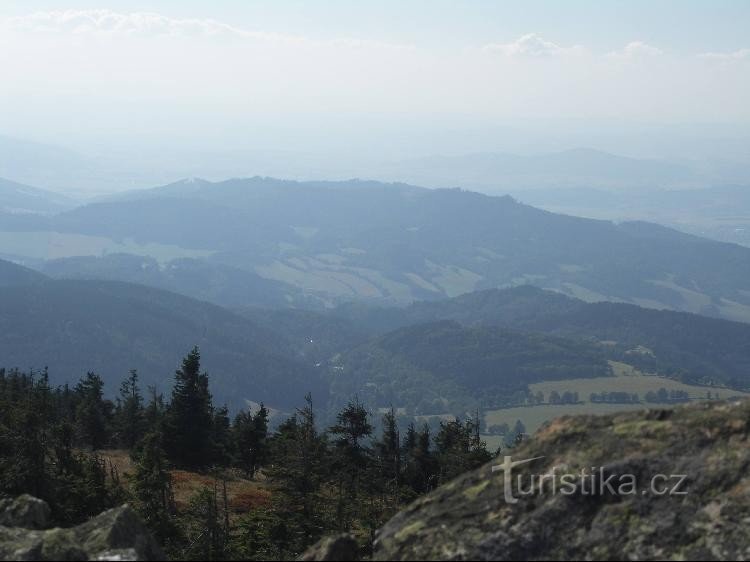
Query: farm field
[{"x": 626, "y": 379}]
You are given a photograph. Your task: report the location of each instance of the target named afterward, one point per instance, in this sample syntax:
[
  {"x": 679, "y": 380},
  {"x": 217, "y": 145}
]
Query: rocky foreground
[
  {"x": 699, "y": 510},
  {"x": 654, "y": 484},
  {"x": 117, "y": 534}
]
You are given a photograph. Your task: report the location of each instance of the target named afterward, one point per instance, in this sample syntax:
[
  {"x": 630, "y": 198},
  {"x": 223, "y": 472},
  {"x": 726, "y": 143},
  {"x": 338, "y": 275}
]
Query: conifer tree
[
  {"x": 155, "y": 411},
  {"x": 298, "y": 472},
  {"x": 420, "y": 471},
  {"x": 152, "y": 485},
  {"x": 92, "y": 412},
  {"x": 388, "y": 450},
  {"x": 129, "y": 415},
  {"x": 251, "y": 440},
  {"x": 206, "y": 534},
  {"x": 351, "y": 457},
  {"x": 221, "y": 438},
  {"x": 189, "y": 421},
  {"x": 459, "y": 448}
]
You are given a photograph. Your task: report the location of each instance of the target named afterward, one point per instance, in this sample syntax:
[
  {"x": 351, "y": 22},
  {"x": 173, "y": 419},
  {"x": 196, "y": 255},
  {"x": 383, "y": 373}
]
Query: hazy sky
[{"x": 301, "y": 75}]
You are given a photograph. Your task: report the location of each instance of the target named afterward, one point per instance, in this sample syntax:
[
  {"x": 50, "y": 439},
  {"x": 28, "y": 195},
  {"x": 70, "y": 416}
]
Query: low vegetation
[{"x": 214, "y": 488}]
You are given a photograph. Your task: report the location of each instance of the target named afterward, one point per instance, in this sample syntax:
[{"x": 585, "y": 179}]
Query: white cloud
[
  {"x": 148, "y": 24},
  {"x": 136, "y": 23},
  {"x": 637, "y": 50},
  {"x": 739, "y": 55},
  {"x": 99, "y": 69},
  {"x": 532, "y": 45}
]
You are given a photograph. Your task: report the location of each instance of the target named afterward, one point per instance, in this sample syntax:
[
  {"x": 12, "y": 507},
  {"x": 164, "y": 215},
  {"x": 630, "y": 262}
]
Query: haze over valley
[{"x": 286, "y": 280}]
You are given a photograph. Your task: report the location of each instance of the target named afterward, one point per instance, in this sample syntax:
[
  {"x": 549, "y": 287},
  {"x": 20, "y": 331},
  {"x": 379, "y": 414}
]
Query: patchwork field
[
  {"x": 43, "y": 245},
  {"x": 626, "y": 379}
]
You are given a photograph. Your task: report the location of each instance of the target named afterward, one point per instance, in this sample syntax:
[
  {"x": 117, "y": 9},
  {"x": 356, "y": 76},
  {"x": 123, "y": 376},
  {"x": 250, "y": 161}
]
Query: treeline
[
  {"x": 661, "y": 396},
  {"x": 347, "y": 477},
  {"x": 614, "y": 397},
  {"x": 42, "y": 434},
  {"x": 664, "y": 396}
]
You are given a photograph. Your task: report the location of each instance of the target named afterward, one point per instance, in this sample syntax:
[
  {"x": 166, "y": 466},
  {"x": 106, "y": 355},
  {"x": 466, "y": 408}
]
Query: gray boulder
[
  {"x": 24, "y": 511},
  {"x": 117, "y": 534}
]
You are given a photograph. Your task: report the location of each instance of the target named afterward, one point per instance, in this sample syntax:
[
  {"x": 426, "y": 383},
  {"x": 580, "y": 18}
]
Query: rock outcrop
[
  {"x": 338, "y": 548},
  {"x": 117, "y": 534},
  {"x": 24, "y": 511},
  {"x": 654, "y": 484}
]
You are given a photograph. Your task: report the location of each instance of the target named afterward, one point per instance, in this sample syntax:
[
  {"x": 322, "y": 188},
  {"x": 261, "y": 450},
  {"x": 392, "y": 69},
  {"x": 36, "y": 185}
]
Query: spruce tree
[
  {"x": 221, "y": 438},
  {"x": 351, "y": 458},
  {"x": 459, "y": 448},
  {"x": 251, "y": 440},
  {"x": 92, "y": 412},
  {"x": 206, "y": 535},
  {"x": 421, "y": 467},
  {"x": 298, "y": 472},
  {"x": 129, "y": 415},
  {"x": 152, "y": 485},
  {"x": 189, "y": 421},
  {"x": 156, "y": 411},
  {"x": 388, "y": 450}
]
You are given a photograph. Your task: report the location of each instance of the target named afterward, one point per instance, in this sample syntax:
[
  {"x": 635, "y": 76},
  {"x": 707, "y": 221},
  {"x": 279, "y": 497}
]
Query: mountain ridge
[
  {"x": 341, "y": 241},
  {"x": 17, "y": 198},
  {"x": 123, "y": 326}
]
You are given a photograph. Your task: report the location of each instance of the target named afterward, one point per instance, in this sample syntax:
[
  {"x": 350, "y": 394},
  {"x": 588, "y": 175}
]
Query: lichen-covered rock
[
  {"x": 24, "y": 511},
  {"x": 117, "y": 534},
  {"x": 338, "y": 548},
  {"x": 655, "y": 484}
]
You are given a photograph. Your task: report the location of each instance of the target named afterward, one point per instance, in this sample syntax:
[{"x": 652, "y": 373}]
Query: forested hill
[
  {"x": 17, "y": 198},
  {"x": 496, "y": 343},
  {"x": 334, "y": 242},
  {"x": 74, "y": 327},
  {"x": 12, "y": 274},
  {"x": 440, "y": 367},
  {"x": 691, "y": 347}
]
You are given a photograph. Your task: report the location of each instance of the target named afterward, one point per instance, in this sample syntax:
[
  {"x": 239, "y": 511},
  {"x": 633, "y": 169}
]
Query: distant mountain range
[
  {"x": 16, "y": 198},
  {"x": 500, "y": 172},
  {"x": 115, "y": 169},
  {"x": 721, "y": 212},
  {"x": 323, "y": 243}
]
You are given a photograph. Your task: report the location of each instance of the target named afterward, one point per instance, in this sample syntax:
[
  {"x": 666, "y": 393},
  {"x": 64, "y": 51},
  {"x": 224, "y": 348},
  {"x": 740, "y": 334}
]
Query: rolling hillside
[
  {"x": 12, "y": 274},
  {"x": 111, "y": 327},
  {"x": 689, "y": 347},
  {"x": 330, "y": 242},
  {"x": 217, "y": 283},
  {"x": 443, "y": 367},
  {"x": 483, "y": 349}
]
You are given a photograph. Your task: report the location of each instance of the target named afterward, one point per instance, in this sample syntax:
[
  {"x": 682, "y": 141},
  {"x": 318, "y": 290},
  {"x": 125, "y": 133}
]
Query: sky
[{"x": 402, "y": 77}]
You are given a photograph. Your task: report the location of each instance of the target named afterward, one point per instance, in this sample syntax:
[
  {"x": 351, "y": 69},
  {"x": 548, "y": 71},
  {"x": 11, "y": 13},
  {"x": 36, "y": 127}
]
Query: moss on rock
[{"x": 708, "y": 443}]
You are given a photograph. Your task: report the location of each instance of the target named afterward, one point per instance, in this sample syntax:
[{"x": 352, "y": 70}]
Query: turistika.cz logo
[{"x": 589, "y": 481}]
